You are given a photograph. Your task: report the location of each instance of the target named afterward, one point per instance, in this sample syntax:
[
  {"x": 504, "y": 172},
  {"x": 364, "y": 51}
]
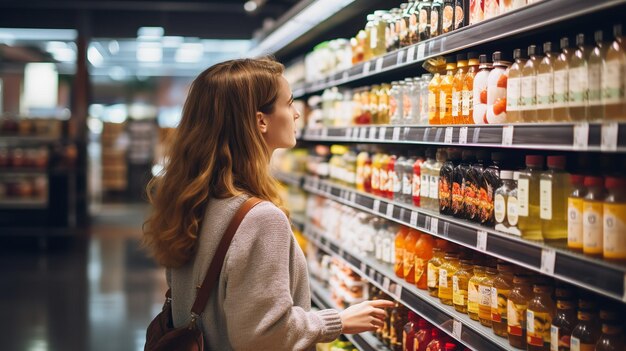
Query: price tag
[
  {"x": 376, "y": 206},
  {"x": 434, "y": 225},
  {"x": 363, "y": 267},
  {"x": 438, "y": 134},
  {"x": 363, "y": 133},
  {"x": 426, "y": 134},
  {"x": 413, "y": 221},
  {"x": 389, "y": 210},
  {"x": 405, "y": 134},
  {"x": 345, "y": 75},
  {"x": 457, "y": 329},
  {"x": 507, "y": 135},
  {"x": 397, "y": 291},
  {"x": 581, "y": 136},
  {"x": 324, "y": 132},
  {"x": 476, "y": 135},
  {"x": 371, "y": 273},
  {"x": 353, "y": 197},
  {"x": 379, "y": 64},
  {"x": 386, "y": 283},
  {"x": 448, "y": 136},
  {"x": 348, "y": 133},
  {"x": 609, "y": 136},
  {"x": 463, "y": 135},
  {"x": 548, "y": 259},
  {"x": 446, "y": 229},
  {"x": 420, "y": 52},
  {"x": 382, "y": 132},
  {"x": 481, "y": 240},
  {"x": 400, "y": 57},
  {"x": 410, "y": 54},
  {"x": 366, "y": 67},
  {"x": 396, "y": 134},
  {"x": 372, "y": 133}
]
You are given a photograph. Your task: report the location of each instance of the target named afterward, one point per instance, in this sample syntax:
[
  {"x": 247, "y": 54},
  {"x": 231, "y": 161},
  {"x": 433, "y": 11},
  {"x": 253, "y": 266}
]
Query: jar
[
  {"x": 516, "y": 310},
  {"x": 446, "y": 272},
  {"x": 460, "y": 281},
  {"x": 473, "y": 291},
  {"x": 502, "y": 285},
  {"x": 396, "y": 103},
  {"x": 614, "y": 212}
]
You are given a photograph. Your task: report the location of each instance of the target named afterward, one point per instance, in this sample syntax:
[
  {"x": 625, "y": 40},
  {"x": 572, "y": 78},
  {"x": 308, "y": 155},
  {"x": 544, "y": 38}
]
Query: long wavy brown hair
[{"x": 217, "y": 151}]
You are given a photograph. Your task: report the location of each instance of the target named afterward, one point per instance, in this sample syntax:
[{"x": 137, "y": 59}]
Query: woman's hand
[{"x": 364, "y": 316}]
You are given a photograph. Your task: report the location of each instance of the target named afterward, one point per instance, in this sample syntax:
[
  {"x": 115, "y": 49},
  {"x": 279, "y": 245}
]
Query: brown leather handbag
[{"x": 161, "y": 334}]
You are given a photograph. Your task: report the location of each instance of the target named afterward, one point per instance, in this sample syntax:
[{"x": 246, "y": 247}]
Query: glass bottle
[
  {"x": 612, "y": 337},
  {"x": 458, "y": 182},
  {"x": 368, "y": 52},
  {"x": 399, "y": 178},
  {"x": 490, "y": 182},
  {"x": 477, "y": 11},
  {"x": 383, "y": 108},
  {"x": 500, "y": 291},
  {"x": 554, "y": 189},
  {"x": 545, "y": 84},
  {"x": 407, "y": 108},
  {"x": 592, "y": 216},
  {"x": 406, "y": 180},
  {"x": 376, "y": 165},
  {"x": 426, "y": 169},
  {"x": 424, "y": 98},
  {"x": 416, "y": 182},
  {"x": 384, "y": 175},
  {"x": 442, "y": 156},
  {"x": 539, "y": 316},
  {"x": 433, "y": 271},
  {"x": 516, "y": 310},
  {"x": 413, "y": 93},
  {"x": 484, "y": 302},
  {"x": 564, "y": 320},
  {"x": 501, "y": 199},
  {"x": 560, "y": 113},
  {"x": 395, "y": 103},
  {"x": 425, "y": 8},
  {"x": 457, "y": 88},
  {"x": 374, "y": 96},
  {"x": 434, "y": 100},
  {"x": 614, "y": 212},
  {"x": 460, "y": 281},
  {"x": 473, "y": 184},
  {"x": 594, "y": 66},
  {"x": 446, "y": 272},
  {"x": 409, "y": 330},
  {"x": 413, "y": 23},
  {"x": 529, "y": 84},
  {"x": 436, "y": 18},
  {"x": 445, "y": 92},
  {"x": 575, "y": 213},
  {"x": 447, "y": 20},
  {"x": 424, "y": 249},
  {"x": 409, "y": 255},
  {"x": 528, "y": 195},
  {"x": 479, "y": 99},
  {"x": 512, "y": 208},
  {"x": 588, "y": 330},
  {"x": 496, "y": 89},
  {"x": 492, "y": 8},
  {"x": 578, "y": 91},
  {"x": 393, "y": 40},
  {"x": 397, "y": 321},
  {"x": 514, "y": 87},
  {"x": 467, "y": 91},
  {"x": 445, "y": 181},
  {"x": 461, "y": 13},
  {"x": 613, "y": 74},
  {"x": 392, "y": 177},
  {"x": 473, "y": 291},
  {"x": 401, "y": 251},
  {"x": 423, "y": 336},
  {"x": 403, "y": 30}
]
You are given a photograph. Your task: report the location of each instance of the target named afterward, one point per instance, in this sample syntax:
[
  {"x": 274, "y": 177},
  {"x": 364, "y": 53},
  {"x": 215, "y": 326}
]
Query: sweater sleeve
[{"x": 259, "y": 308}]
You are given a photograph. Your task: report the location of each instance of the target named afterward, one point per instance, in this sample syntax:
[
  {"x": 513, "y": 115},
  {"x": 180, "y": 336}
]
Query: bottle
[
  {"x": 433, "y": 271},
  {"x": 367, "y": 38},
  {"x": 461, "y": 14},
  {"x": 554, "y": 189},
  {"x": 384, "y": 106},
  {"x": 442, "y": 156},
  {"x": 447, "y": 19},
  {"x": 403, "y": 23},
  {"x": 500, "y": 291},
  {"x": 477, "y": 11},
  {"x": 578, "y": 92},
  {"x": 417, "y": 182},
  {"x": 545, "y": 84},
  {"x": 516, "y": 310},
  {"x": 380, "y": 47},
  {"x": 473, "y": 184},
  {"x": 445, "y": 181},
  {"x": 407, "y": 103},
  {"x": 425, "y": 8},
  {"x": 594, "y": 65},
  {"x": 413, "y": 23},
  {"x": 484, "y": 300},
  {"x": 393, "y": 39},
  {"x": 423, "y": 336},
  {"x": 401, "y": 249},
  {"x": 467, "y": 92},
  {"x": 383, "y": 172},
  {"x": 423, "y": 254},
  {"x": 479, "y": 115},
  {"x": 397, "y": 321},
  {"x": 361, "y": 160},
  {"x": 496, "y": 89},
  {"x": 414, "y": 91},
  {"x": 514, "y": 87},
  {"x": 612, "y": 337},
  {"x": 560, "y": 112},
  {"x": 376, "y": 165},
  {"x": 426, "y": 167},
  {"x": 445, "y": 92},
  {"x": 409, "y": 330},
  {"x": 528, "y": 195},
  {"x": 407, "y": 180},
  {"x": 613, "y": 73},
  {"x": 460, "y": 281},
  {"x": 374, "y": 97},
  {"x": 398, "y": 195},
  {"x": 592, "y": 216},
  {"x": 491, "y": 8},
  {"x": 409, "y": 255},
  {"x": 446, "y": 271},
  {"x": 458, "y": 182},
  {"x": 529, "y": 84},
  {"x": 564, "y": 320},
  {"x": 436, "y": 18},
  {"x": 588, "y": 330},
  {"x": 424, "y": 98},
  {"x": 575, "y": 213},
  {"x": 392, "y": 177},
  {"x": 437, "y": 342},
  {"x": 395, "y": 103},
  {"x": 614, "y": 212},
  {"x": 539, "y": 316},
  {"x": 501, "y": 199},
  {"x": 490, "y": 182},
  {"x": 433, "y": 100},
  {"x": 457, "y": 88},
  {"x": 512, "y": 208},
  {"x": 473, "y": 291}
]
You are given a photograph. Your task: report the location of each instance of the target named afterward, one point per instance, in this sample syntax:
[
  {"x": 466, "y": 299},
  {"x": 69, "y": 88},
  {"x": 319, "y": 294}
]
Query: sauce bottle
[
  {"x": 426, "y": 168},
  {"x": 613, "y": 95},
  {"x": 479, "y": 115},
  {"x": 460, "y": 281},
  {"x": 433, "y": 100},
  {"x": 461, "y": 13},
  {"x": 614, "y": 212},
  {"x": 442, "y": 156},
  {"x": 578, "y": 92},
  {"x": 564, "y": 320},
  {"x": 575, "y": 213},
  {"x": 423, "y": 336},
  {"x": 592, "y": 216},
  {"x": 539, "y": 316},
  {"x": 457, "y": 88},
  {"x": 490, "y": 182},
  {"x": 467, "y": 92},
  {"x": 393, "y": 34},
  {"x": 484, "y": 302},
  {"x": 612, "y": 337},
  {"x": 445, "y": 181},
  {"x": 447, "y": 19},
  {"x": 401, "y": 251},
  {"x": 403, "y": 23},
  {"x": 500, "y": 291},
  {"x": 500, "y": 200},
  {"x": 528, "y": 194},
  {"x": 554, "y": 189},
  {"x": 446, "y": 271},
  {"x": 409, "y": 330},
  {"x": 409, "y": 255},
  {"x": 397, "y": 321},
  {"x": 473, "y": 184},
  {"x": 560, "y": 112},
  {"x": 416, "y": 183},
  {"x": 433, "y": 271},
  {"x": 477, "y": 11},
  {"x": 424, "y": 249},
  {"x": 458, "y": 183},
  {"x": 445, "y": 92},
  {"x": 587, "y": 332},
  {"x": 516, "y": 310},
  {"x": 529, "y": 84},
  {"x": 514, "y": 87},
  {"x": 361, "y": 159},
  {"x": 473, "y": 291},
  {"x": 425, "y": 9},
  {"x": 436, "y": 18},
  {"x": 545, "y": 84},
  {"x": 496, "y": 89},
  {"x": 594, "y": 66}
]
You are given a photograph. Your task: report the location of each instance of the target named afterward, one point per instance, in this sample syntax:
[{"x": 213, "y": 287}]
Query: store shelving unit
[{"x": 292, "y": 179}]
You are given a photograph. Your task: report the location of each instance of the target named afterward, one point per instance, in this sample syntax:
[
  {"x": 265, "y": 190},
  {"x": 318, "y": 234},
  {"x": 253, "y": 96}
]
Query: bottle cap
[
  {"x": 532, "y": 50},
  {"x": 483, "y": 59},
  {"x": 556, "y": 162},
  {"x": 594, "y": 181},
  {"x": 547, "y": 46},
  {"x": 534, "y": 160},
  {"x": 472, "y": 55},
  {"x": 576, "y": 179},
  {"x": 580, "y": 39},
  {"x": 517, "y": 54},
  {"x": 507, "y": 175},
  {"x": 597, "y": 36},
  {"x": 615, "y": 183},
  {"x": 564, "y": 43},
  {"x": 617, "y": 31}
]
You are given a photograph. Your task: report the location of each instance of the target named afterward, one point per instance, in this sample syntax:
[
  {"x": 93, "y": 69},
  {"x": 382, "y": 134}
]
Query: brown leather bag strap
[{"x": 213, "y": 274}]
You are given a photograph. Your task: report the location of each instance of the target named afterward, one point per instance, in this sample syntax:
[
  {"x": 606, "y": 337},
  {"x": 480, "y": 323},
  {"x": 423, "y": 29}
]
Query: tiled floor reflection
[{"x": 93, "y": 294}]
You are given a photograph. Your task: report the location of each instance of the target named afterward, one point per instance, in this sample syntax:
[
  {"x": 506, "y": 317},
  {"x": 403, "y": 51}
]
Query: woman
[{"x": 236, "y": 114}]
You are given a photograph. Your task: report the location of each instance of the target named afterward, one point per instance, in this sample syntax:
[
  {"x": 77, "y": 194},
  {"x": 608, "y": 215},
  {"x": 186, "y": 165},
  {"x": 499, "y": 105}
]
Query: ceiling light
[
  {"x": 149, "y": 52},
  {"x": 150, "y": 33},
  {"x": 189, "y": 53},
  {"x": 250, "y": 6}
]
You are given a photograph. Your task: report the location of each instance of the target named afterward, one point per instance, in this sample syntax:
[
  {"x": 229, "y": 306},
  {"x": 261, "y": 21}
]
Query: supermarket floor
[{"x": 95, "y": 294}]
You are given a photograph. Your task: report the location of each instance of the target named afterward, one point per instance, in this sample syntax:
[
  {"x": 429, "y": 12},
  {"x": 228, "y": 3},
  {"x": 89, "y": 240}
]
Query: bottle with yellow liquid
[
  {"x": 593, "y": 215},
  {"x": 614, "y": 74},
  {"x": 457, "y": 88},
  {"x": 446, "y": 272},
  {"x": 614, "y": 212},
  {"x": 376, "y": 165},
  {"x": 502, "y": 285},
  {"x": 528, "y": 196},
  {"x": 594, "y": 66},
  {"x": 383, "y": 110},
  {"x": 368, "y": 53},
  {"x": 460, "y": 280},
  {"x": 374, "y": 95},
  {"x": 578, "y": 91},
  {"x": 545, "y": 84},
  {"x": 467, "y": 92},
  {"x": 484, "y": 291},
  {"x": 433, "y": 271},
  {"x": 433, "y": 100},
  {"x": 575, "y": 212},
  {"x": 514, "y": 87},
  {"x": 473, "y": 291},
  {"x": 445, "y": 92},
  {"x": 529, "y": 84},
  {"x": 560, "y": 111},
  {"x": 554, "y": 190}
]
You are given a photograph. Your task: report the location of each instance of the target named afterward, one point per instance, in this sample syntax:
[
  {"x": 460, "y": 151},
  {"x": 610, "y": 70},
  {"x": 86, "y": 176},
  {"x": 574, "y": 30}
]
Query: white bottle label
[
  {"x": 614, "y": 231},
  {"x": 577, "y": 86},
  {"x": 467, "y": 102},
  {"x": 512, "y": 215},
  {"x": 425, "y": 186},
  {"x": 529, "y": 93},
  {"x": 513, "y": 91},
  {"x": 443, "y": 278},
  {"x": 545, "y": 199},
  {"x": 612, "y": 82},
  {"x": 494, "y": 298},
  {"x": 484, "y": 295},
  {"x": 574, "y": 344},
  {"x": 575, "y": 222},
  {"x": 554, "y": 338},
  {"x": 456, "y": 102},
  {"x": 434, "y": 187},
  {"x": 595, "y": 84},
  {"x": 407, "y": 187},
  {"x": 499, "y": 208},
  {"x": 545, "y": 89},
  {"x": 523, "y": 186},
  {"x": 592, "y": 227},
  {"x": 386, "y": 250},
  {"x": 560, "y": 88},
  {"x": 530, "y": 321}
]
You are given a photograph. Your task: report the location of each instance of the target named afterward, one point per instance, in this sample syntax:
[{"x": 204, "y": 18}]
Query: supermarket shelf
[
  {"x": 363, "y": 341},
  {"x": 600, "y": 276},
  {"x": 298, "y": 220},
  {"x": 23, "y": 171},
  {"x": 27, "y": 139},
  {"x": 606, "y": 137},
  {"x": 522, "y": 20},
  {"x": 457, "y": 325},
  {"x": 293, "y": 179},
  {"x": 26, "y": 204}
]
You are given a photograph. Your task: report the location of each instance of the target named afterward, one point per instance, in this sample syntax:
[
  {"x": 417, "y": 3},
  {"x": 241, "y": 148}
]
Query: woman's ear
[{"x": 261, "y": 119}]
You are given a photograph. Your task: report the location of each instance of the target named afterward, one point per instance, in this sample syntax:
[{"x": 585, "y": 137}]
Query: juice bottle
[
  {"x": 392, "y": 35},
  {"x": 560, "y": 112},
  {"x": 384, "y": 104},
  {"x": 397, "y": 321},
  {"x": 528, "y": 195},
  {"x": 409, "y": 330},
  {"x": 545, "y": 84},
  {"x": 436, "y": 18},
  {"x": 384, "y": 175},
  {"x": 423, "y": 253},
  {"x": 437, "y": 342},
  {"x": 447, "y": 19},
  {"x": 554, "y": 189},
  {"x": 423, "y": 336},
  {"x": 529, "y": 84},
  {"x": 366, "y": 107},
  {"x": 467, "y": 92},
  {"x": 433, "y": 100},
  {"x": 539, "y": 316},
  {"x": 461, "y": 14},
  {"x": 578, "y": 92},
  {"x": 612, "y": 337},
  {"x": 445, "y": 92},
  {"x": 408, "y": 265},
  {"x": 395, "y": 103},
  {"x": 502, "y": 285},
  {"x": 514, "y": 87},
  {"x": 426, "y": 167},
  {"x": 473, "y": 291},
  {"x": 460, "y": 281},
  {"x": 374, "y": 106},
  {"x": 446, "y": 271},
  {"x": 458, "y": 183},
  {"x": 403, "y": 30},
  {"x": 490, "y": 182},
  {"x": 484, "y": 292},
  {"x": 435, "y": 171},
  {"x": 445, "y": 181},
  {"x": 381, "y": 46},
  {"x": 360, "y": 170},
  {"x": 479, "y": 115},
  {"x": 492, "y": 8},
  {"x": 614, "y": 210},
  {"x": 376, "y": 165},
  {"x": 564, "y": 320},
  {"x": 457, "y": 88},
  {"x": 424, "y": 7},
  {"x": 416, "y": 183},
  {"x": 594, "y": 66},
  {"x": 592, "y": 216},
  {"x": 414, "y": 94},
  {"x": 473, "y": 184},
  {"x": 392, "y": 177},
  {"x": 401, "y": 250},
  {"x": 477, "y": 11},
  {"x": 368, "y": 52},
  {"x": 407, "y": 101},
  {"x": 613, "y": 74},
  {"x": 496, "y": 89},
  {"x": 433, "y": 271},
  {"x": 588, "y": 330},
  {"x": 575, "y": 213},
  {"x": 516, "y": 310}
]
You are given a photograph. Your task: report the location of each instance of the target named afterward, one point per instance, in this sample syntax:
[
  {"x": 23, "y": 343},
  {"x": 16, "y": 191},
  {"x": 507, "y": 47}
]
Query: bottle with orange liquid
[
  {"x": 433, "y": 99},
  {"x": 400, "y": 250},
  {"x": 467, "y": 90},
  {"x": 409, "y": 255},
  {"x": 445, "y": 92},
  {"x": 457, "y": 88},
  {"x": 423, "y": 253},
  {"x": 376, "y": 165}
]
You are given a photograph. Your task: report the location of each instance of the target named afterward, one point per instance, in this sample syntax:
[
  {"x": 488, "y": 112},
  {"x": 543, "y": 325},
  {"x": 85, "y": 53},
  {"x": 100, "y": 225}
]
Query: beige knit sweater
[{"x": 263, "y": 298}]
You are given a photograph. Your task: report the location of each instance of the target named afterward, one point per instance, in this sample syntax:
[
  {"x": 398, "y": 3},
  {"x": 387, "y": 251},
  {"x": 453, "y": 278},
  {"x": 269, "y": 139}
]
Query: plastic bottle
[
  {"x": 393, "y": 181},
  {"x": 594, "y": 65},
  {"x": 554, "y": 190},
  {"x": 514, "y": 87},
  {"x": 409, "y": 330},
  {"x": 529, "y": 84},
  {"x": 403, "y": 23},
  {"x": 374, "y": 97},
  {"x": 492, "y": 8},
  {"x": 479, "y": 115},
  {"x": 457, "y": 88},
  {"x": 397, "y": 321},
  {"x": 612, "y": 337},
  {"x": 458, "y": 183},
  {"x": 467, "y": 92},
  {"x": 460, "y": 281},
  {"x": 433, "y": 100},
  {"x": 447, "y": 18},
  {"x": 445, "y": 181},
  {"x": 592, "y": 216},
  {"x": 414, "y": 91},
  {"x": 436, "y": 18},
  {"x": 560, "y": 112},
  {"x": 446, "y": 271},
  {"x": 392, "y": 35},
  {"x": 614, "y": 74},
  {"x": 473, "y": 291},
  {"x": 500, "y": 291},
  {"x": 477, "y": 11},
  {"x": 433, "y": 271},
  {"x": 406, "y": 180},
  {"x": 578, "y": 92},
  {"x": 564, "y": 320},
  {"x": 588, "y": 330},
  {"x": 409, "y": 255},
  {"x": 501, "y": 199},
  {"x": 516, "y": 310},
  {"x": 407, "y": 104},
  {"x": 399, "y": 178},
  {"x": 545, "y": 84},
  {"x": 376, "y": 165},
  {"x": 423, "y": 253},
  {"x": 424, "y": 98},
  {"x": 395, "y": 103},
  {"x": 575, "y": 212},
  {"x": 528, "y": 194},
  {"x": 423, "y": 336},
  {"x": 442, "y": 156},
  {"x": 416, "y": 183},
  {"x": 401, "y": 251},
  {"x": 484, "y": 300},
  {"x": 496, "y": 89},
  {"x": 413, "y": 23},
  {"x": 445, "y": 92},
  {"x": 614, "y": 212},
  {"x": 541, "y": 310},
  {"x": 361, "y": 159},
  {"x": 426, "y": 169},
  {"x": 473, "y": 184},
  {"x": 490, "y": 182},
  {"x": 461, "y": 13},
  {"x": 425, "y": 7}
]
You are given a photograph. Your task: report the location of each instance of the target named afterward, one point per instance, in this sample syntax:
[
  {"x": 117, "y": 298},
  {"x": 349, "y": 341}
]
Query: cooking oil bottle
[
  {"x": 578, "y": 91},
  {"x": 560, "y": 111},
  {"x": 514, "y": 87},
  {"x": 457, "y": 88},
  {"x": 529, "y": 84},
  {"x": 613, "y": 94},
  {"x": 553, "y": 199},
  {"x": 545, "y": 84},
  {"x": 528, "y": 198},
  {"x": 594, "y": 66}
]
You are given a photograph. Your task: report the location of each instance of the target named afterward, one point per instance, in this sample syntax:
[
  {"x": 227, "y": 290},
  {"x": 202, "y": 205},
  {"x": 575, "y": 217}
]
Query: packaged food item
[
  {"x": 578, "y": 84},
  {"x": 424, "y": 98},
  {"x": 424, "y": 251},
  {"x": 529, "y": 85},
  {"x": 416, "y": 183},
  {"x": 395, "y": 103},
  {"x": 425, "y": 173},
  {"x": 425, "y": 9},
  {"x": 383, "y": 109},
  {"x": 545, "y": 84},
  {"x": 613, "y": 93},
  {"x": 460, "y": 281},
  {"x": 539, "y": 316},
  {"x": 595, "y": 109},
  {"x": 458, "y": 183},
  {"x": 588, "y": 330},
  {"x": 560, "y": 112},
  {"x": 447, "y": 20},
  {"x": 496, "y": 89},
  {"x": 423, "y": 336},
  {"x": 473, "y": 184},
  {"x": 407, "y": 107},
  {"x": 434, "y": 100},
  {"x": 575, "y": 212},
  {"x": 447, "y": 270},
  {"x": 528, "y": 195},
  {"x": 480, "y": 91},
  {"x": 614, "y": 213},
  {"x": 490, "y": 182},
  {"x": 461, "y": 14},
  {"x": 433, "y": 271},
  {"x": 442, "y": 156},
  {"x": 564, "y": 320},
  {"x": 554, "y": 190},
  {"x": 484, "y": 300},
  {"x": 401, "y": 251},
  {"x": 516, "y": 310},
  {"x": 502, "y": 285},
  {"x": 491, "y": 8},
  {"x": 473, "y": 291},
  {"x": 592, "y": 216},
  {"x": 409, "y": 255},
  {"x": 446, "y": 180},
  {"x": 503, "y": 197},
  {"x": 393, "y": 182},
  {"x": 457, "y": 88},
  {"x": 436, "y": 18},
  {"x": 467, "y": 92},
  {"x": 398, "y": 318},
  {"x": 409, "y": 330},
  {"x": 476, "y": 11},
  {"x": 612, "y": 337},
  {"x": 514, "y": 87}
]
